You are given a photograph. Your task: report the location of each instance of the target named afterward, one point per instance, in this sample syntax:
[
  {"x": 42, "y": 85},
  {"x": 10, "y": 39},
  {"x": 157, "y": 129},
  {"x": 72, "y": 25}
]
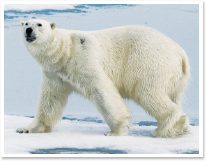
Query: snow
[
  {"x": 73, "y": 137},
  {"x": 36, "y": 7}
]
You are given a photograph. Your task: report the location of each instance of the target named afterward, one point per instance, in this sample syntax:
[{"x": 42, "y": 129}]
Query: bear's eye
[
  {"x": 39, "y": 25},
  {"x": 26, "y": 24}
]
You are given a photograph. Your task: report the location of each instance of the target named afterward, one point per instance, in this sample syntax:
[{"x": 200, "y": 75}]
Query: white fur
[{"x": 106, "y": 66}]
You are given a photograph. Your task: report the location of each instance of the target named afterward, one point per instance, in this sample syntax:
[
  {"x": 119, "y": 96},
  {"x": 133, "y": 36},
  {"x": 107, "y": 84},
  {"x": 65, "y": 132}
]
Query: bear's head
[{"x": 36, "y": 31}]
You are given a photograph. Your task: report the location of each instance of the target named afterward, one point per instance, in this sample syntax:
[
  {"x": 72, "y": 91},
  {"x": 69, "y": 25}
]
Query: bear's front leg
[
  {"x": 113, "y": 108},
  {"x": 53, "y": 99},
  {"x": 35, "y": 127}
]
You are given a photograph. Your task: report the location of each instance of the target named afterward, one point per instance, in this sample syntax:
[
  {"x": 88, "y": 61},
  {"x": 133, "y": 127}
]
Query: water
[
  {"x": 92, "y": 151},
  {"x": 78, "y": 151}
]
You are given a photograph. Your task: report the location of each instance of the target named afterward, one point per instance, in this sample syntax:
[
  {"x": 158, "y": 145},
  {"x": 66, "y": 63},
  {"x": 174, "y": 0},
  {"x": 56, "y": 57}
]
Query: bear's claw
[{"x": 22, "y": 131}]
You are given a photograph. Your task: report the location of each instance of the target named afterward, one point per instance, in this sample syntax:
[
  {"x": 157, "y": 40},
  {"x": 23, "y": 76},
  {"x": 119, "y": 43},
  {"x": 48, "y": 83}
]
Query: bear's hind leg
[{"x": 172, "y": 122}]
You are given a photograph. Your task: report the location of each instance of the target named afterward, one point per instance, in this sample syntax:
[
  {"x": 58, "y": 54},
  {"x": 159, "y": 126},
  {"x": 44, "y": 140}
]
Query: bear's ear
[
  {"x": 53, "y": 25},
  {"x": 21, "y": 23}
]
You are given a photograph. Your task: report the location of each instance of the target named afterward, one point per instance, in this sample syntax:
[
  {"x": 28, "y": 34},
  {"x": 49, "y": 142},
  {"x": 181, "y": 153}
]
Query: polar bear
[{"x": 105, "y": 66}]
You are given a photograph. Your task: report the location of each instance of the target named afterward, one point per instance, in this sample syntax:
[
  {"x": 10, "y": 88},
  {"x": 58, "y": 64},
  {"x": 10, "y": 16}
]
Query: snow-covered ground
[
  {"x": 86, "y": 136},
  {"x": 37, "y": 7},
  {"x": 82, "y": 127}
]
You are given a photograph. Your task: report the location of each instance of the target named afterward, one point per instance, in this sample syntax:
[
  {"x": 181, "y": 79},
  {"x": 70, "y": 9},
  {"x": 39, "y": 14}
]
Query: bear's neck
[{"x": 52, "y": 55}]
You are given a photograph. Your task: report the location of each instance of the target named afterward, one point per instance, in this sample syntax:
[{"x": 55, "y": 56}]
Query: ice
[
  {"x": 83, "y": 137},
  {"x": 36, "y": 7}
]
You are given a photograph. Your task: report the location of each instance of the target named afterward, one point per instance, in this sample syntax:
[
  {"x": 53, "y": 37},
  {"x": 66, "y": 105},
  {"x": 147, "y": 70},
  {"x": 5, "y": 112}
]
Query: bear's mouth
[{"x": 30, "y": 38}]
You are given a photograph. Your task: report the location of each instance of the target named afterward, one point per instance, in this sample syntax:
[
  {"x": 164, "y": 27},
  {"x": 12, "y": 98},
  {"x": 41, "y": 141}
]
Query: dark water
[
  {"x": 194, "y": 122},
  {"x": 188, "y": 152},
  {"x": 78, "y": 151},
  {"x": 78, "y": 9},
  {"x": 87, "y": 119},
  {"x": 91, "y": 151}
]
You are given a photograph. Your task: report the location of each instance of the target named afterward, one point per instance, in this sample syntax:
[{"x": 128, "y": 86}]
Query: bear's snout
[
  {"x": 29, "y": 31},
  {"x": 30, "y": 36}
]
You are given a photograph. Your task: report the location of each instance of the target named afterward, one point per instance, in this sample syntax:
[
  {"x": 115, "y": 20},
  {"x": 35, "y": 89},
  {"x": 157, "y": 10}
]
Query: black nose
[{"x": 29, "y": 31}]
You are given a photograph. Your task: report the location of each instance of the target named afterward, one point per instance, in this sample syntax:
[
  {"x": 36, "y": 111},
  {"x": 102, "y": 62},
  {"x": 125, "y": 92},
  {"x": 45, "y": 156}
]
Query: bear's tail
[
  {"x": 185, "y": 67},
  {"x": 177, "y": 89}
]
